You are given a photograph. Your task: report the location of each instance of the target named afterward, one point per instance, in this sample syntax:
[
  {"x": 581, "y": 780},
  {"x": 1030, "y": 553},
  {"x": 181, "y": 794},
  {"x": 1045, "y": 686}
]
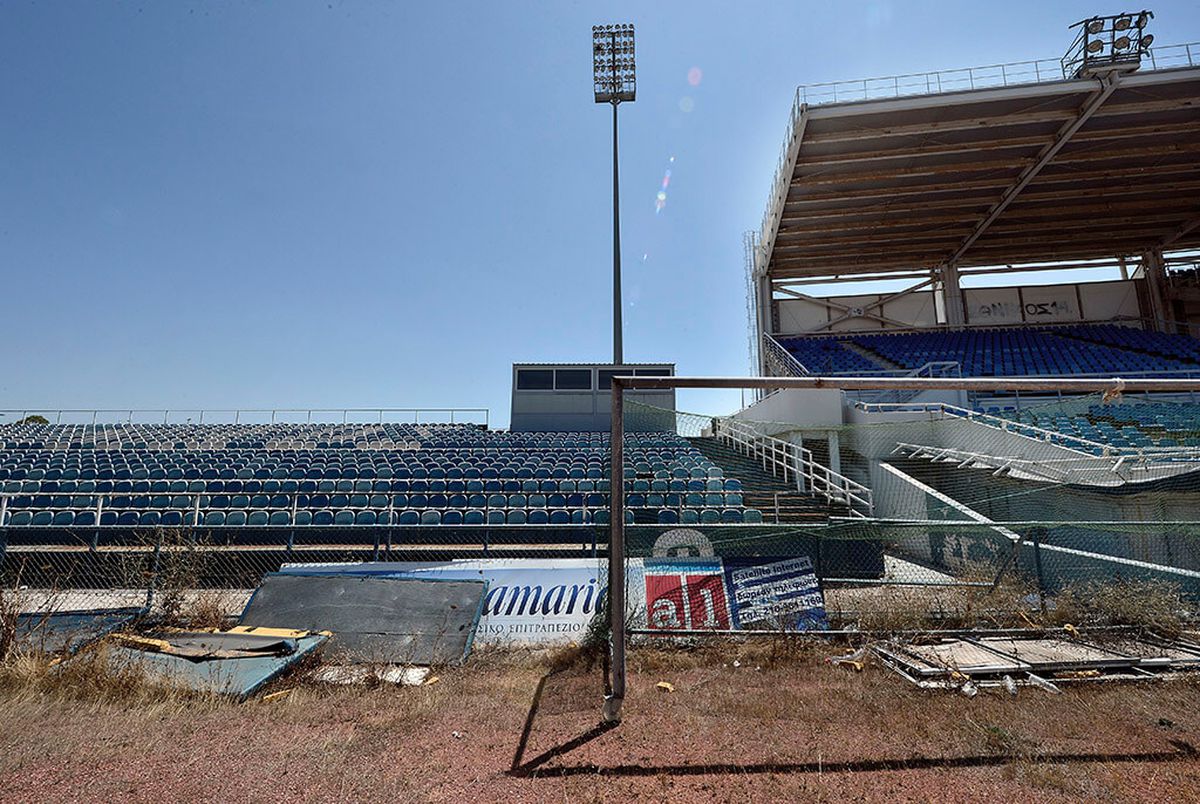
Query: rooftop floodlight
[
  {"x": 1107, "y": 44},
  {"x": 613, "y": 70},
  {"x": 614, "y": 80}
]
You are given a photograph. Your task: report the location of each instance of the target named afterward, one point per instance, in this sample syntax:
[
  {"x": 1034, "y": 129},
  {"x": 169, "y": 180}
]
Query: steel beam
[
  {"x": 1108, "y": 85},
  {"x": 1026, "y": 118},
  {"x": 1066, "y": 384},
  {"x": 975, "y": 146},
  {"x": 1180, "y": 233}
]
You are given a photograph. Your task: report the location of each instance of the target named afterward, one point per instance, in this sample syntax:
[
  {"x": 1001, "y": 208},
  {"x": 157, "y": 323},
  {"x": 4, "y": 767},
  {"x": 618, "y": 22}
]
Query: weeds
[{"x": 1152, "y": 605}]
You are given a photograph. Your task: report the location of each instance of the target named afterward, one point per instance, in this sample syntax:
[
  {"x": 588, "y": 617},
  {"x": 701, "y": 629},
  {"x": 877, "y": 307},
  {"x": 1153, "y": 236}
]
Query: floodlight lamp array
[
  {"x": 614, "y": 70},
  {"x": 1104, "y": 44}
]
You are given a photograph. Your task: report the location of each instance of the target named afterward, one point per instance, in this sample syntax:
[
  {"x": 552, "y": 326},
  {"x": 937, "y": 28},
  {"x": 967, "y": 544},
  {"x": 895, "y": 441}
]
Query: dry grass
[
  {"x": 882, "y": 609},
  {"x": 1151, "y": 605},
  {"x": 325, "y": 743}
]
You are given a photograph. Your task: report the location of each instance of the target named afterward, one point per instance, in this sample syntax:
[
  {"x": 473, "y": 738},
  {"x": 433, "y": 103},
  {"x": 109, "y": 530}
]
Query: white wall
[{"x": 804, "y": 407}]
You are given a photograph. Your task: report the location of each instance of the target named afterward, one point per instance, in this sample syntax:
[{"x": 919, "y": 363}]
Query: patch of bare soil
[{"x": 774, "y": 727}]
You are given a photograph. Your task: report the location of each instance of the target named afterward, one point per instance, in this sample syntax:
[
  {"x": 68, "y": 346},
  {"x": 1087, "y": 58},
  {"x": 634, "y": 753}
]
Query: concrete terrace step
[{"x": 779, "y": 502}]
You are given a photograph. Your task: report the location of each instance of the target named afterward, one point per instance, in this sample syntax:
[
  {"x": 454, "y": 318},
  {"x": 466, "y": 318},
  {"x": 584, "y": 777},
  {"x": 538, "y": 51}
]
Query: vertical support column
[
  {"x": 835, "y": 451},
  {"x": 762, "y": 286},
  {"x": 952, "y": 295},
  {"x": 800, "y": 469},
  {"x": 618, "y": 346},
  {"x": 835, "y": 456},
  {"x": 1156, "y": 287},
  {"x": 616, "y": 557}
]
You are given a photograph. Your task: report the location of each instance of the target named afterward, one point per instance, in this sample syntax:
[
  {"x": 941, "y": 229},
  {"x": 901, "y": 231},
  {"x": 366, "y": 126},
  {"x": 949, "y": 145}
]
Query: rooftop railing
[
  {"x": 991, "y": 75},
  {"x": 252, "y": 416}
]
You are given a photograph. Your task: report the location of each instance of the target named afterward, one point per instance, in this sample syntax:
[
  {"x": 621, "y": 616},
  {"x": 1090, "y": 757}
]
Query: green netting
[{"x": 1070, "y": 494}]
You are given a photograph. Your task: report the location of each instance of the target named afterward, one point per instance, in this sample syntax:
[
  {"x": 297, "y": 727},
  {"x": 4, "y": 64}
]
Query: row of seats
[
  {"x": 366, "y": 517},
  {"x": 1056, "y": 351},
  {"x": 122, "y": 475},
  {"x": 355, "y": 486},
  {"x": 31, "y": 470},
  {"x": 378, "y": 501},
  {"x": 323, "y": 437},
  {"x": 1137, "y": 425}
]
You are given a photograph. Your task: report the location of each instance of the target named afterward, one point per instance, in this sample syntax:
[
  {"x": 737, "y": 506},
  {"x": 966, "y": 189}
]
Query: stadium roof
[{"x": 1060, "y": 170}]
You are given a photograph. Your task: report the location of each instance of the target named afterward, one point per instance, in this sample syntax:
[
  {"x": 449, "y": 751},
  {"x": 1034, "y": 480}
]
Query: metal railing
[
  {"x": 193, "y": 513},
  {"x": 783, "y": 362},
  {"x": 795, "y": 465},
  {"x": 991, "y": 75},
  {"x": 253, "y": 415},
  {"x": 1085, "y": 447}
]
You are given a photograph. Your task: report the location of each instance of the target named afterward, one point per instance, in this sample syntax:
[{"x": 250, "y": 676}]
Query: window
[
  {"x": 535, "y": 379},
  {"x": 573, "y": 379},
  {"x": 606, "y": 375}
]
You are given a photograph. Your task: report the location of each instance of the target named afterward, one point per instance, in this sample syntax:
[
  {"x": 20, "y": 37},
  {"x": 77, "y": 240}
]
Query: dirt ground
[{"x": 769, "y": 729}]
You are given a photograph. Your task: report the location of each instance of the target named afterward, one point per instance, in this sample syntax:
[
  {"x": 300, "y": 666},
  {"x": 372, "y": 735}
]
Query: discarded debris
[
  {"x": 376, "y": 619},
  {"x": 275, "y": 696},
  {"x": 665, "y": 686},
  {"x": 1044, "y": 684},
  {"x": 365, "y": 674},
  {"x": 1010, "y": 686},
  {"x": 221, "y": 662},
  {"x": 66, "y": 632},
  {"x": 1008, "y": 660},
  {"x": 856, "y": 659}
]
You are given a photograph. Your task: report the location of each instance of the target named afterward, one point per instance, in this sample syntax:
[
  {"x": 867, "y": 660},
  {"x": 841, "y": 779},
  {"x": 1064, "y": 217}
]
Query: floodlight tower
[{"x": 615, "y": 80}]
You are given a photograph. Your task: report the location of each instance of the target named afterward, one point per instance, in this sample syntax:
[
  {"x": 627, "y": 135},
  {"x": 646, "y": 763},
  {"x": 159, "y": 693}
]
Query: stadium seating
[
  {"x": 138, "y": 475},
  {"x": 1051, "y": 351},
  {"x": 1125, "y": 425}
]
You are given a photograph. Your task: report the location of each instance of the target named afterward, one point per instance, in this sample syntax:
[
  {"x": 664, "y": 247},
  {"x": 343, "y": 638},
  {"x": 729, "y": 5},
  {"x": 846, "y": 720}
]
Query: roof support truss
[
  {"x": 1108, "y": 85},
  {"x": 848, "y": 312}
]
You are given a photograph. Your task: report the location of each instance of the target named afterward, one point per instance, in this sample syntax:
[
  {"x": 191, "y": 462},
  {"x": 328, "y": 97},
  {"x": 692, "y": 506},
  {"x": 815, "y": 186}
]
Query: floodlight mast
[{"x": 614, "y": 80}]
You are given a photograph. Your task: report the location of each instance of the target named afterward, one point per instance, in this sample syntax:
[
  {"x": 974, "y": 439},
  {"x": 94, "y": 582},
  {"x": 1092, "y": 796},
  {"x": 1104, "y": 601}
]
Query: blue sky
[{"x": 338, "y": 204}]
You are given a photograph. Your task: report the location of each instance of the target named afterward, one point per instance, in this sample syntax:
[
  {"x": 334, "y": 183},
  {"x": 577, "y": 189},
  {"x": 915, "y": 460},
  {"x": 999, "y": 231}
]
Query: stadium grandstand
[{"x": 931, "y": 185}]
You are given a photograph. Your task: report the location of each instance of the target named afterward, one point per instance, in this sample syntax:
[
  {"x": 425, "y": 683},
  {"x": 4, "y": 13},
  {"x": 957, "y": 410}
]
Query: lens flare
[
  {"x": 695, "y": 76},
  {"x": 686, "y": 104},
  {"x": 660, "y": 200}
]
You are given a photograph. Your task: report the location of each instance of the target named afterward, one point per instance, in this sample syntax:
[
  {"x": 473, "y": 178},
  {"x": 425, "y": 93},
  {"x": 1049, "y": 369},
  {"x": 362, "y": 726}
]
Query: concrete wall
[{"x": 804, "y": 407}]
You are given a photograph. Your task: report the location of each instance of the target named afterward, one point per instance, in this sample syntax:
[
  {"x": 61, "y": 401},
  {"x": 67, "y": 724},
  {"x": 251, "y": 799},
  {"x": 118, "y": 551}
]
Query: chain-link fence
[
  {"x": 922, "y": 515},
  {"x": 55, "y": 570}
]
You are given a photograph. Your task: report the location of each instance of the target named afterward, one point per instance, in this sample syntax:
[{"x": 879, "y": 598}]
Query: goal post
[{"x": 615, "y": 687}]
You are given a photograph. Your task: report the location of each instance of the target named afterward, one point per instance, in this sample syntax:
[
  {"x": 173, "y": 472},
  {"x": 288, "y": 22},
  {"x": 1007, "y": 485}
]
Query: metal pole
[
  {"x": 616, "y": 557},
  {"x": 618, "y": 346}
]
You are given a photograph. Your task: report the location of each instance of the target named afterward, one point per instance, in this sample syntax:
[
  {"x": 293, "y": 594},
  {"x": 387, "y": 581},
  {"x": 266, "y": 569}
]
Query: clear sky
[{"x": 343, "y": 204}]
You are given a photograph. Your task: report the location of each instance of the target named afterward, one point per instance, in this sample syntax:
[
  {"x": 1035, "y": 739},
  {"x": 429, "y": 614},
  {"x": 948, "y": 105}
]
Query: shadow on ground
[{"x": 564, "y": 693}]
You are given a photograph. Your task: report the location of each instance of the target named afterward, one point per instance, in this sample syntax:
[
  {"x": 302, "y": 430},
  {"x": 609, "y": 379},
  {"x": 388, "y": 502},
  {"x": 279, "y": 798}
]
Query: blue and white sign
[{"x": 780, "y": 593}]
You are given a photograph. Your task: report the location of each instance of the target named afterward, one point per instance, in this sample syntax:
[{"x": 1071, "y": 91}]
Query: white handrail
[
  {"x": 796, "y": 465},
  {"x": 783, "y": 361},
  {"x": 1077, "y": 444}
]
